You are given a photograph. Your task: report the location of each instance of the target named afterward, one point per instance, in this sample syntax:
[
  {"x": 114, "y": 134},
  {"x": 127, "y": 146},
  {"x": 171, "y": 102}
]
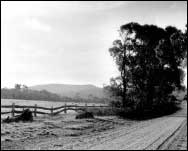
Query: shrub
[
  {"x": 185, "y": 97},
  {"x": 25, "y": 116},
  {"x": 116, "y": 104},
  {"x": 148, "y": 113},
  {"x": 85, "y": 115},
  {"x": 104, "y": 111}
]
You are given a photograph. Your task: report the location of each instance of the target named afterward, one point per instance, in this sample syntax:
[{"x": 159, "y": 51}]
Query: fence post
[
  {"x": 65, "y": 108},
  {"x": 112, "y": 108},
  {"x": 52, "y": 110},
  {"x": 13, "y": 109},
  {"x": 35, "y": 110},
  {"x": 86, "y": 106}
]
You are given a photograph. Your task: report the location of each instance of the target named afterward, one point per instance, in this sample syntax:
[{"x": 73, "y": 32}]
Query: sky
[{"x": 67, "y": 41}]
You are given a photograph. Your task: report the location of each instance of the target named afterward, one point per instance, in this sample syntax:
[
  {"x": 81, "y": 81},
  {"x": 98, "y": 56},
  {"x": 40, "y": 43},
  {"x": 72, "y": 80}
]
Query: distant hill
[{"x": 72, "y": 91}]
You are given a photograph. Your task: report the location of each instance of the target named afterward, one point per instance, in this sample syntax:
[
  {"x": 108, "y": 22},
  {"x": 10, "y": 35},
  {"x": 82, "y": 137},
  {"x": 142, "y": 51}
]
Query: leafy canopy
[{"x": 149, "y": 60}]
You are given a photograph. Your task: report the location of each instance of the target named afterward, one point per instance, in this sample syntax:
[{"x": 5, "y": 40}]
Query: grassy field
[
  {"x": 39, "y": 103},
  {"x": 102, "y": 132}
]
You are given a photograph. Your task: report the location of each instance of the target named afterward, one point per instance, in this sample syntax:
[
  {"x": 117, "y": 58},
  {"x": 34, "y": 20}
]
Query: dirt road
[
  {"x": 167, "y": 133},
  {"x": 66, "y": 132}
]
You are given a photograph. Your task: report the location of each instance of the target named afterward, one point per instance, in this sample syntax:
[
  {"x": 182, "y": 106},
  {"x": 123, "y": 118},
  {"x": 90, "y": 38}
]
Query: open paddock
[{"x": 10, "y": 107}]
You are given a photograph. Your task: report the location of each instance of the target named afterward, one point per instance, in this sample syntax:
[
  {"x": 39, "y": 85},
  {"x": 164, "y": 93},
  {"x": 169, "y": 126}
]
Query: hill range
[{"x": 72, "y": 91}]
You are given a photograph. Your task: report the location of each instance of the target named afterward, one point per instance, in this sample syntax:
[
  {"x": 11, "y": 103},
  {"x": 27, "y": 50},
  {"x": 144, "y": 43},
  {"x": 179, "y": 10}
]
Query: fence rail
[
  {"x": 53, "y": 110},
  {"x": 6, "y": 112}
]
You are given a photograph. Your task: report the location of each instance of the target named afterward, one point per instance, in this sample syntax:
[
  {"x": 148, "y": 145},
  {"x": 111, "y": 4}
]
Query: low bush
[
  {"x": 148, "y": 113},
  {"x": 165, "y": 107},
  {"x": 103, "y": 111},
  {"x": 185, "y": 97},
  {"x": 25, "y": 116},
  {"x": 84, "y": 115}
]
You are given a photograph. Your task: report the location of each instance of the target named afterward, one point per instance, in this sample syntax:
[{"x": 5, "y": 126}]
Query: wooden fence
[{"x": 51, "y": 111}]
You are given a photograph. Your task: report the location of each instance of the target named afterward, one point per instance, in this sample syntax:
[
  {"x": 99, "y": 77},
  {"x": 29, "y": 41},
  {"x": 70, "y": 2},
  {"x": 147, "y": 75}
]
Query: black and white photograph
[{"x": 93, "y": 75}]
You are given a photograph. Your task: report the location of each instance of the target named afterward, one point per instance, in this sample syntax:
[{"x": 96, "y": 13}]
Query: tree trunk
[{"x": 124, "y": 78}]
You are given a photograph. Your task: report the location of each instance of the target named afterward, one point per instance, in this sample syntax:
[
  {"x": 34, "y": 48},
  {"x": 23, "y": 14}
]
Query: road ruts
[
  {"x": 178, "y": 141},
  {"x": 170, "y": 133},
  {"x": 149, "y": 137}
]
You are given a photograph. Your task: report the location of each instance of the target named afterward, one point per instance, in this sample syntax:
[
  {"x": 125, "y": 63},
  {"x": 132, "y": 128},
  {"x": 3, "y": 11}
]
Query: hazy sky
[{"x": 67, "y": 42}]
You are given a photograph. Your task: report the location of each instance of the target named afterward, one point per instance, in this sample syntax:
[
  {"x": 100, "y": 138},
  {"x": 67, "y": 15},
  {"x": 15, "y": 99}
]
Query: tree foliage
[{"x": 149, "y": 60}]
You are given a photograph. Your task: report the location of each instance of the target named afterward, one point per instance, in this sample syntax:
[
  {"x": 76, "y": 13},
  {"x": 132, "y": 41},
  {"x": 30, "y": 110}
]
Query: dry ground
[{"x": 65, "y": 132}]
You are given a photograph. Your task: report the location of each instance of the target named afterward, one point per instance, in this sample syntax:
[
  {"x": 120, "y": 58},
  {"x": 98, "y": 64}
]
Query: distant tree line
[
  {"x": 24, "y": 93},
  {"x": 27, "y": 94}
]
